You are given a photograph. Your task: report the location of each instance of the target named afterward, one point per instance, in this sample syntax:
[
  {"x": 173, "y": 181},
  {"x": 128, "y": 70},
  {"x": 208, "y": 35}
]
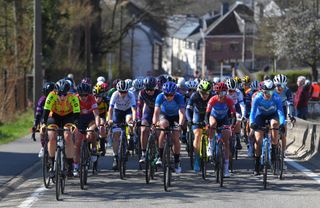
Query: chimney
[{"x": 224, "y": 8}]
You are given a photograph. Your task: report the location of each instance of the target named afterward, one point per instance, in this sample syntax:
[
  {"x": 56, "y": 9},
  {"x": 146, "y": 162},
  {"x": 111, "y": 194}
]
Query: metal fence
[{"x": 13, "y": 94}]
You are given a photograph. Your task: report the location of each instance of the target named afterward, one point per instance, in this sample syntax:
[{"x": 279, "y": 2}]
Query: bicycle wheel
[
  {"x": 190, "y": 148},
  {"x": 166, "y": 166},
  {"x": 83, "y": 163},
  {"x": 221, "y": 164},
  {"x": 203, "y": 159},
  {"x": 281, "y": 161},
  {"x": 58, "y": 178},
  {"x": 265, "y": 166},
  {"x": 46, "y": 167},
  {"x": 122, "y": 157},
  {"x": 150, "y": 152}
]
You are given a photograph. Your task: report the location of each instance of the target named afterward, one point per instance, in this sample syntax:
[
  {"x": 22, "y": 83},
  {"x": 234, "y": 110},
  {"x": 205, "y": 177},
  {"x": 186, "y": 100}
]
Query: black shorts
[
  {"x": 173, "y": 120},
  {"x": 84, "y": 121},
  {"x": 61, "y": 121}
]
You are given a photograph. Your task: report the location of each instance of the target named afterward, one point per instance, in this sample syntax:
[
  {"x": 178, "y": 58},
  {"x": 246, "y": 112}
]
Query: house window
[
  {"x": 216, "y": 46},
  {"x": 235, "y": 47}
]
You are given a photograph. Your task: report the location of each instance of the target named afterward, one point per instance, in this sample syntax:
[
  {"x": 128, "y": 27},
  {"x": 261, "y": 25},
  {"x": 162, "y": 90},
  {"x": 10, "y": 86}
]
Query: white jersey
[
  {"x": 237, "y": 98},
  {"x": 122, "y": 103}
]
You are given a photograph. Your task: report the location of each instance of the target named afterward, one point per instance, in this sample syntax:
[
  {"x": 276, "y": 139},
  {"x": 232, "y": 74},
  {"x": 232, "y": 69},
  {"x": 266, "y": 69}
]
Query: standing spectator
[
  {"x": 301, "y": 98},
  {"x": 315, "y": 91}
]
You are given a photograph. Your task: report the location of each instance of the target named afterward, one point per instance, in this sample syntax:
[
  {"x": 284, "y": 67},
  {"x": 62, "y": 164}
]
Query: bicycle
[
  {"x": 151, "y": 156},
  {"x": 85, "y": 159},
  {"x": 218, "y": 154},
  {"x": 59, "y": 163},
  {"x": 190, "y": 149},
  {"x": 166, "y": 157},
  {"x": 137, "y": 143}
]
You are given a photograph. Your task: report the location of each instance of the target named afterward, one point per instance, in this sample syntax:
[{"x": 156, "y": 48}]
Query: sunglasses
[
  {"x": 223, "y": 93},
  {"x": 204, "y": 93},
  {"x": 123, "y": 92},
  {"x": 281, "y": 85},
  {"x": 267, "y": 92},
  {"x": 168, "y": 95},
  {"x": 62, "y": 94},
  {"x": 149, "y": 90}
]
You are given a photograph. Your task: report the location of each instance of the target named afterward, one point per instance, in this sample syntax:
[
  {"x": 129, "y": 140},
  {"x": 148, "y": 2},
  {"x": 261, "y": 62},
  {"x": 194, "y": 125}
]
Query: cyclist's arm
[
  {"x": 133, "y": 105},
  {"x": 140, "y": 105},
  {"x": 189, "y": 109},
  {"x": 50, "y": 100},
  {"x": 282, "y": 118},
  {"x": 157, "y": 109},
  {"x": 290, "y": 102},
  {"x": 96, "y": 116},
  {"x": 111, "y": 106},
  {"x": 209, "y": 108},
  {"x": 254, "y": 109},
  {"x": 181, "y": 104}
]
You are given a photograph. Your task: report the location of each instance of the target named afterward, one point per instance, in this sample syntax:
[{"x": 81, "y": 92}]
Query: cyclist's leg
[
  {"x": 52, "y": 143},
  {"x": 144, "y": 138},
  {"x": 163, "y": 123},
  {"x": 260, "y": 121},
  {"x": 196, "y": 145},
  {"x": 274, "y": 133},
  {"x": 237, "y": 128},
  {"x": 69, "y": 144},
  {"x": 129, "y": 120},
  {"x": 102, "y": 134},
  {"x": 118, "y": 117},
  {"x": 176, "y": 143}
]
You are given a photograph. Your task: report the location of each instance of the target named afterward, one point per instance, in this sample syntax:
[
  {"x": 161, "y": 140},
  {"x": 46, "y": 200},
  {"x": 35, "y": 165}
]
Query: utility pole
[
  {"x": 120, "y": 42},
  {"x": 87, "y": 32},
  {"x": 37, "y": 52}
]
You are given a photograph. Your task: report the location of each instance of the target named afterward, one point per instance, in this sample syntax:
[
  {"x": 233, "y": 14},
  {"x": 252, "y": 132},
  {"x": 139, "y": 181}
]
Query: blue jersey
[
  {"x": 287, "y": 99},
  {"x": 170, "y": 108},
  {"x": 261, "y": 106}
]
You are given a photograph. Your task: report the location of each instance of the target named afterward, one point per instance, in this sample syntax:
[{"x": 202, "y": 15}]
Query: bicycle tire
[
  {"x": 83, "y": 163},
  {"x": 265, "y": 166},
  {"x": 190, "y": 148},
  {"x": 122, "y": 157},
  {"x": 46, "y": 167},
  {"x": 281, "y": 163},
  {"x": 58, "y": 177},
  {"x": 203, "y": 159},
  {"x": 166, "y": 166},
  {"x": 221, "y": 164}
]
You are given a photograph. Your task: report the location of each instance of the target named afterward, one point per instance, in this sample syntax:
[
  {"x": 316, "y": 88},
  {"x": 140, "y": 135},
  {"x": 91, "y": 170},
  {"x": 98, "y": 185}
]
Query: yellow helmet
[
  {"x": 246, "y": 79},
  {"x": 237, "y": 79}
]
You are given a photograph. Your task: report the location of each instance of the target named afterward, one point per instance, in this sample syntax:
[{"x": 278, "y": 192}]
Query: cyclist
[
  {"x": 191, "y": 88},
  {"x": 236, "y": 95},
  {"x": 145, "y": 109},
  {"x": 219, "y": 110},
  {"x": 112, "y": 90},
  {"x": 101, "y": 80},
  {"x": 181, "y": 84},
  {"x": 280, "y": 81},
  {"x": 137, "y": 85},
  {"x": 266, "y": 105},
  {"x": 65, "y": 108},
  {"x": 101, "y": 99},
  {"x": 88, "y": 119},
  {"x": 160, "y": 81},
  {"x": 122, "y": 109},
  {"x": 38, "y": 113},
  {"x": 246, "y": 84},
  {"x": 169, "y": 110},
  {"x": 86, "y": 80},
  {"x": 196, "y": 110}
]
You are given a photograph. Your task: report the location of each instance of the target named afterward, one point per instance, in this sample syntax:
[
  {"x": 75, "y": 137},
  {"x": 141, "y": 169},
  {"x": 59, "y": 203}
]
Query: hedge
[{"x": 292, "y": 76}]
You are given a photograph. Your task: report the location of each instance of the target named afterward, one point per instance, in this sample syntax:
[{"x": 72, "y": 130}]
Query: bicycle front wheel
[
  {"x": 190, "y": 148},
  {"x": 265, "y": 166},
  {"x": 166, "y": 166},
  {"x": 46, "y": 168},
  {"x": 203, "y": 159},
  {"x": 58, "y": 178},
  {"x": 221, "y": 163},
  {"x": 122, "y": 158},
  {"x": 83, "y": 164}
]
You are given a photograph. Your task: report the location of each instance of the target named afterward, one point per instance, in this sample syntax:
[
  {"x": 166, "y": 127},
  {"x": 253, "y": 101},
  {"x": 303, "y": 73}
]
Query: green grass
[{"x": 17, "y": 128}]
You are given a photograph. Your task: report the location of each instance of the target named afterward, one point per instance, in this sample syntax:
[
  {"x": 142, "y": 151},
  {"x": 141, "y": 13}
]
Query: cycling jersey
[
  {"x": 220, "y": 109},
  {"x": 103, "y": 106},
  {"x": 110, "y": 93},
  {"x": 196, "y": 107},
  {"x": 62, "y": 108},
  {"x": 287, "y": 100},
  {"x": 88, "y": 106},
  {"x": 248, "y": 101},
  {"x": 264, "y": 107},
  {"x": 170, "y": 108},
  {"x": 39, "y": 110},
  {"x": 149, "y": 101},
  {"x": 237, "y": 98},
  {"x": 135, "y": 93},
  {"x": 122, "y": 103}
]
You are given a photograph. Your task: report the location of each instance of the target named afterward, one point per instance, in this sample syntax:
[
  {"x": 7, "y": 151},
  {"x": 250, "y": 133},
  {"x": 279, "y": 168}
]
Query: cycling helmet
[
  {"x": 149, "y": 83},
  {"x": 231, "y": 84},
  {"x": 137, "y": 84},
  {"x": 83, "y": 88},
  {"x": 123, "y": 86},
  {"x": 254, "y": 85},
  {"x": 101, "y": 79},
  {"x": 192, "y": 85},
  {"x": 267, "y": 85},
  {"x": 105, "y": 86},
  {"x": 216, "y": 79},
  {"x": 220, "y": 86},
  {"x": 114, "y": 83},
  {"x": 161, "y": 80},
  {"x": 169, "y": 78},
  {"x": 47, "y": 88},
  {"x": 181, "y": 82},
  {"x": 62, "y": 87},
  {"x": 246, "y": 79},
  {"x": 70, "y": 80},
  {"x": 280, "y": 79},
  {"x": 129, "y": 82},
  {"x": 98, "y": 90},
  {"x": 237, "y": 79},
  {"x": 169, "y": 88},
  {"x": 204, "y": 86},
  {"x": 86, "y": 80}
]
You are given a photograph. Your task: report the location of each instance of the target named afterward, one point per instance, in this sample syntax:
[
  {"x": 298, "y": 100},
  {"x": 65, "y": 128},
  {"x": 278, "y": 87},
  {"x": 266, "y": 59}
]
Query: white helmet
[
  {"x": 192, "y": 85},
  {"x": 280, "y": 79},
  {"x": 231, "y": 84},
  {"x": 129, "y": 82},
  {"x": 216, "y": 79},
  {"x": 181, "y": 82},
  {"x": 254, "y": 85},
  {"x": 137, "y": 84},
  {"x": 101, "y": 79}
]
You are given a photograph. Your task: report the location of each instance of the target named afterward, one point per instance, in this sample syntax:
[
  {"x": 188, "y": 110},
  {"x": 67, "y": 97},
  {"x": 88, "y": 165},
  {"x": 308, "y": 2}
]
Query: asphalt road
[{"x": 106, "y": 189}]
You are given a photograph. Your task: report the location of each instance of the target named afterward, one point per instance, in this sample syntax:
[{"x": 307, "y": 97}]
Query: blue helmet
[{"x": 169, "y": 88}]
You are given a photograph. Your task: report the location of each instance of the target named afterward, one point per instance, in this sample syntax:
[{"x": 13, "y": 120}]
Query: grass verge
[{"x": 17, "y": 128}]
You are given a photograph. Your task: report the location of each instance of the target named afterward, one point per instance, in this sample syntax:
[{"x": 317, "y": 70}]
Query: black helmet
[
  {"x": 84, "y": 88},
  {"x": 62, "y": 86},
  {"x": 161, "y": 80},
  {"x": 149, "y": 83},
  {"x": 47, "y": 88}
]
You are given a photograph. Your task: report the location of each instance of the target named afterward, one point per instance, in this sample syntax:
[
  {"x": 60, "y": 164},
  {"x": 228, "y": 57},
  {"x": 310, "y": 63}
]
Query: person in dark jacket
[{"x": 301, "y": 98}]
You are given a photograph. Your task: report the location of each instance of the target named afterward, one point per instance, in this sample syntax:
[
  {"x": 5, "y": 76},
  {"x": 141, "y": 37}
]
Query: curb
[{"x": 17, "y": 180}]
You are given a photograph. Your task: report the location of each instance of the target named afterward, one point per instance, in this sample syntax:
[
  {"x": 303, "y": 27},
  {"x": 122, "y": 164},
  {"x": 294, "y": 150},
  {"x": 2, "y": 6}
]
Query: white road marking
[
  {"x": 303, "y": 169},
  {"x": 32, "y": 199}
]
